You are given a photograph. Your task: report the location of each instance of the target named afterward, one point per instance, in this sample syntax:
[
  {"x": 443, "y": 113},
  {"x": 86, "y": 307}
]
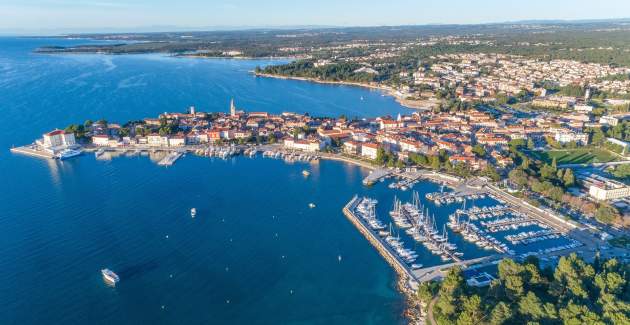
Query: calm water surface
[{"x": 255, "y": 254}]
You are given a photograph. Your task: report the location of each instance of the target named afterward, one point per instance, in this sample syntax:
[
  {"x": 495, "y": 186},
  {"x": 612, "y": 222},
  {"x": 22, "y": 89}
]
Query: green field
[{"x": 575, "y": 156}]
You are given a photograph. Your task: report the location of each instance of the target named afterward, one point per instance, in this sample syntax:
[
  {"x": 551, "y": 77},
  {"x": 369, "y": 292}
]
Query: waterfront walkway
[{"x": 376, "y": 175}]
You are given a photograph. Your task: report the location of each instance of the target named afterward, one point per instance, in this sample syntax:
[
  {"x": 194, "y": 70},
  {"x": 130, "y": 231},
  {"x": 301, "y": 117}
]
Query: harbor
[{"x": 455, "y": 224}]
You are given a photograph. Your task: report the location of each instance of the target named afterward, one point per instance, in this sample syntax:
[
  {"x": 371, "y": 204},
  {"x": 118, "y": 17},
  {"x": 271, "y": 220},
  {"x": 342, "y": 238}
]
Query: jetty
[
  {"x": 376, "y": 175},
  {"x": 33, "y": 150},
  {"x": 390, "y": 256},
  {"x": 170, "y": 158}
]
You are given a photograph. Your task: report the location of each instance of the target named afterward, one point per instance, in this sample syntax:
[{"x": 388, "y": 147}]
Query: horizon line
[{"x": 66, "y": 31}]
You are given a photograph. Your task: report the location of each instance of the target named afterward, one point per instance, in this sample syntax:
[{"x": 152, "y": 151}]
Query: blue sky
[{"x": 95, "y": 15}]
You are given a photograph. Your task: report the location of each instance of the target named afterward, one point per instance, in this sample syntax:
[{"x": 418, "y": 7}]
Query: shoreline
[{"x": 388, "y": 91}]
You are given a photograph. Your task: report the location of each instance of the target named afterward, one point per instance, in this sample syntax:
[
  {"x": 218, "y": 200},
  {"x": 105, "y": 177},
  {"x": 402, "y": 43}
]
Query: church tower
[{"x": 232, "y": 108}]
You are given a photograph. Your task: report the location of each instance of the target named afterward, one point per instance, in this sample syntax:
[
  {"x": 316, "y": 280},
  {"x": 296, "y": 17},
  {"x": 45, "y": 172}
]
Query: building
[
  {"x": 57, "y": 140},
  {"x": 311, "y": 145},
  {"x": 100, "y": 140},
  {"x": 177, "y": 141},
  {"x": 156, "y": 140},
  {"x": 604, "y": 189},
  {"x": 351, "y": 147},
  {"x": 369, "y": 150},
  {"x": 569, "y": 136}
]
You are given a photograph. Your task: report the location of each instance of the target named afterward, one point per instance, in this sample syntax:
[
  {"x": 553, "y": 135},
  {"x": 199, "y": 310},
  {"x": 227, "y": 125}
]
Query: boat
[
  {"x": 193, "y": 212},
  {"x": 311, "y": 205},
  {"x": 110, "y": 277},
  {"x": 306, "y": 173},
  {"x": 416, "y": 266},
  {"x": 68, "y": 153}
]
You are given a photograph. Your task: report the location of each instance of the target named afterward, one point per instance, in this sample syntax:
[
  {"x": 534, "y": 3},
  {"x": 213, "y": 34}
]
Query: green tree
[
  {"x": 568, "y": 178},
  {"x": 606, "y": 214},
  {"x": 500, "y": 314},
  {"x": 479, "y": 150},
  {"x": 530, "y": 144},
  {"x": 531, "y": 306}
]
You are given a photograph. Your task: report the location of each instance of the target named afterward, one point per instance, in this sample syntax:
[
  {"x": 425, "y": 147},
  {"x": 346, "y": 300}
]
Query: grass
[{"x": 575, "y": 156}]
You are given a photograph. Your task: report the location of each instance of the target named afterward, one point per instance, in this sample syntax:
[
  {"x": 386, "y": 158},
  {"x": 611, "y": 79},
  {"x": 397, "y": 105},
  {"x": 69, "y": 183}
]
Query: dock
[
  {"x": 376, "y": 175},
  {"x": 33, "y": 150},
  {"x": 391, "y": 257},
  {"x": 170, "y": 159}
]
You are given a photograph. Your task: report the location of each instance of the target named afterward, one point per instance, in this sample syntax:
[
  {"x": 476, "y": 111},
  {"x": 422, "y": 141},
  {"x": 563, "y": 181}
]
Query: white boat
[
  {"x": 306, "y": 173},
  {"x": 110, "y": 277},
  {"x": 311, "y": 205},
  {"x": 68, "y": 153},
  {"x": 193, "y": 212}
]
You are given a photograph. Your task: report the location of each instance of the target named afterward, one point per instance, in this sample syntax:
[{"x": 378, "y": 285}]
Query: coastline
[{"x": 411, "y": 104}]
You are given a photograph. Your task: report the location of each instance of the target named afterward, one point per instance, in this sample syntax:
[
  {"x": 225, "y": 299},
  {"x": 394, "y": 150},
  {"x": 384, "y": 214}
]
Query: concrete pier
[
  {"x": 170, "y": 159},
  {"x": 376, "y": 175},
  {"x": 391, "y": 257},
  {"x": 32, "y": 150}
]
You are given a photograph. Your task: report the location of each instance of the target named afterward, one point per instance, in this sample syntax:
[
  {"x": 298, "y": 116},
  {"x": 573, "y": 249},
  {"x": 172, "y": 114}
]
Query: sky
[{"x": 61, "y": 16}]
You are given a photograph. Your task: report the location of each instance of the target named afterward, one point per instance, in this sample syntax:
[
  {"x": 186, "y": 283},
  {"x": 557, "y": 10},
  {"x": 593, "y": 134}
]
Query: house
[
  {"x": 351, "y": 147},
  {"x": 311, "y": 145},
  {"x": 369, "y": 150},
  {"x": 564, "y": 136},
  {"x": 177, "y": 141},
  {"x": 100, "y": 140},
  {"x": 58, "y": 139},
  {"x": 156, "y": 140}
]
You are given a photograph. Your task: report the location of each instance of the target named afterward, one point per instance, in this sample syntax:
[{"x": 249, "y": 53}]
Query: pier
[
  {"x": 376, "y": 175},
  {"x": 32, "y": 150},
  {"x": 170, "y": 159},
  {"x": 391, "y": 257}
]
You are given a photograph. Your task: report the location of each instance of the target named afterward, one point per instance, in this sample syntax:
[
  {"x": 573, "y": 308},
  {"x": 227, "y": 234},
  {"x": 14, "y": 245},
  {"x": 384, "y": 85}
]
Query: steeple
[{"x": 232, "y": 108}]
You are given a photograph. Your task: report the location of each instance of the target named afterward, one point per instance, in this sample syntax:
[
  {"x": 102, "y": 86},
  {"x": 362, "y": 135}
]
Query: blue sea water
[{"x": 255, "y": 253}]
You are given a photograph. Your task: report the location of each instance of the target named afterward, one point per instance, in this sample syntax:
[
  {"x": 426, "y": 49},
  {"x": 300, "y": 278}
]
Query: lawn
[{"x": 575, "y": 156}]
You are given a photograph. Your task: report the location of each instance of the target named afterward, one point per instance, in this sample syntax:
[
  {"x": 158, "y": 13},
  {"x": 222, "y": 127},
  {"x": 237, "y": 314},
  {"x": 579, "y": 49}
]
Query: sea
[{"x": 255, "y": 253}]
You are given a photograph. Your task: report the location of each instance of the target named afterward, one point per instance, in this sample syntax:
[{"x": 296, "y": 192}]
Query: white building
[
  {"x": 569, "y": 136},
  {"x": 603, "y": 189},
  {"x": 100, "y": 140},
  {"x": 369, "y": 150},
  {"x": 304, "y": 145},
  {"x": 177, "y": 141},
  {"x": 156, "y": 140},
  {"x": 57, "y": 140}
]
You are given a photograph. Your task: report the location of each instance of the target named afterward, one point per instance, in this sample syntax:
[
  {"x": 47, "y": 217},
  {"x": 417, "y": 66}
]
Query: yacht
[
  {"x": 68, "y": 153},
  {"x": 109, "y": 276},
  {"x": 193, "y": 212},
  {"x": 311, "y": 205},
  {"x": 306, "y": 173}
]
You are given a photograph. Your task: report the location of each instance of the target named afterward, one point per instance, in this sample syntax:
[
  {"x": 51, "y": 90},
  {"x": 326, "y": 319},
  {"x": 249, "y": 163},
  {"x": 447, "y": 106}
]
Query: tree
[
  {"x": 435, "y": 162},
  {"x": 518, "y": 177},
  {"x": 530, "y": 144},
  {"x": 471, "y": 313},
  {"x": 479, "y": 150},
  {"x": 572, "y": 278},
  {"x": 568, "y": 178},
  {"x": 606, "y": 214},
  {"x": 381, "y": 156},
  {"x": 500, "y": 314},
  {"x": 491, "y": 173},
  {"x": 531, "y": 306}
]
